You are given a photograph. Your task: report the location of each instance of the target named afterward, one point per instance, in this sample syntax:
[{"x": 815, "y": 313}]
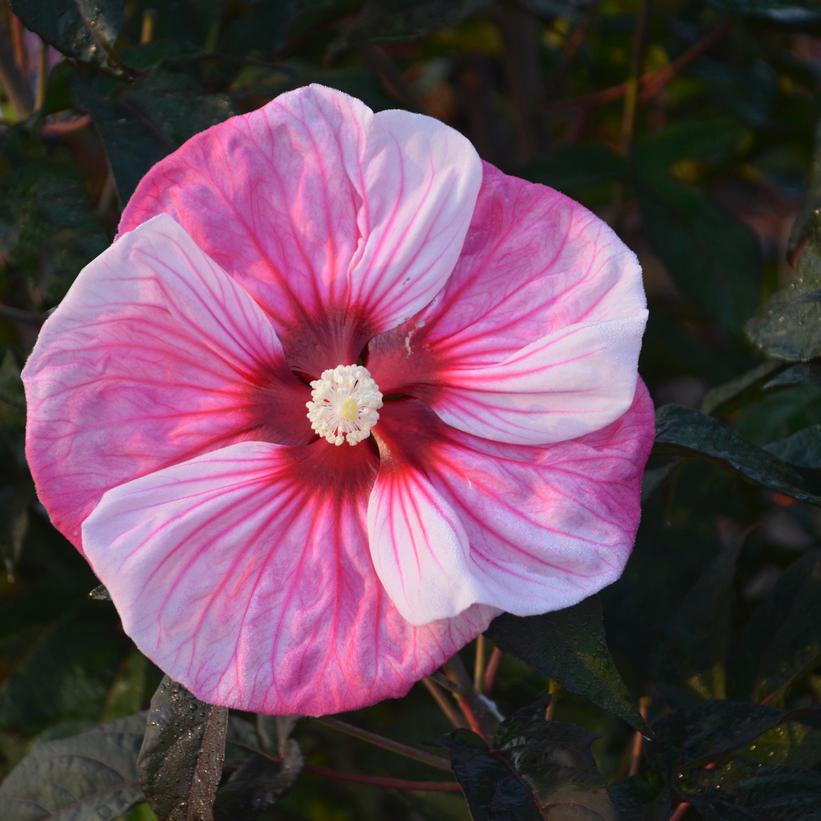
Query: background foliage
[{"x": 688, "y": 689}]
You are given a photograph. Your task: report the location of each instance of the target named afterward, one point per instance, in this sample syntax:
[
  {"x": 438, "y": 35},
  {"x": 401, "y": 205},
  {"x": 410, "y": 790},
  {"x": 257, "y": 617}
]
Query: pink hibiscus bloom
[{"x": 472, "y": 438}]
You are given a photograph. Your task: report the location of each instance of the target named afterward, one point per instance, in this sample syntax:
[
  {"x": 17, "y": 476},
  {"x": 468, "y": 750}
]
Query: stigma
[{"x": 345, "y": 403}]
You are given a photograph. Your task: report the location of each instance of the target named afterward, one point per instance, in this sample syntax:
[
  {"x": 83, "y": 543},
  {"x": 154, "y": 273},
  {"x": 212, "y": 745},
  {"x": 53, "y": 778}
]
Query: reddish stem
[
  {"x": 652, "y": 82},
  {"x": 491, "y": 670},
  {"x": 382, "y": 781},
  {"x": 680, "y": 811},
  {"x": 638, "y": 738},
  {"x": 470, "y": 716}
]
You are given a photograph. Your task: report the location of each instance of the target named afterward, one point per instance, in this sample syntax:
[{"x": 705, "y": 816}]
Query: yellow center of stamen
[
  {"x": 344, "y": 404},
  {"x": 348, "y": 410}
]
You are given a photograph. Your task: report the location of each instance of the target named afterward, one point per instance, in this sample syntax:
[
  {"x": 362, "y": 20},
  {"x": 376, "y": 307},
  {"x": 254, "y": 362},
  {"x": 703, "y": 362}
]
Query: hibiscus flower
[{"x": 337, "y": 395}]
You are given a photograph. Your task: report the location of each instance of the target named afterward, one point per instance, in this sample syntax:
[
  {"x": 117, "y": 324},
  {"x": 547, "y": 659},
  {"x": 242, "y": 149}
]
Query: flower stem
[
  {"x": 638, "y": 738},
  {"x": 651, "y": 83},
  {"x": 553, "y": 688},
  {"x": 631, "y": 95},
  {"x": 385, "y": 782},
  {"x": 479, "y": 664},
  {"x": 386, "y": 743},
  {"x": 382, "y": 781},
  {"x": 442, "y": 701},
  {"x": 680, "y": 811},
  {"x": 473, "y": 708},
  {"x": 492, "y": 669}
]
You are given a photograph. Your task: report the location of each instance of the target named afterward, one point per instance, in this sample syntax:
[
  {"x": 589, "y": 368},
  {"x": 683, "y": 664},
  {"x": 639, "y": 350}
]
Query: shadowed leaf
[
  {"x": 83, "y": 29},
  {"x": 789, "y": 324},
  {"x": 782, "y": 639},
  {"x": 746, "y": 791},
  {"x": 692, "y": 657},
  {"x": 258, "y": 781},
  {"x": 802, "y": 448},
  {"x": 692, "y": 736},
  {"x": 569, "y": 646},
  {"x": 535, "y": 769},
  {"x": 181, "y": 758},
  {"x": 92, "y": 775},
  {"x": 690, "y": 433}
]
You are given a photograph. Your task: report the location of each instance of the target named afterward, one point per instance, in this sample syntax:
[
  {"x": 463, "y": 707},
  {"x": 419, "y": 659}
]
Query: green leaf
[
  {"x": 692, "y": 655},
  {"x": 82, "y": 29},
  {"x": 736, "y": 390},
  {"x": 536, "y": 769},
  {"x": 790, "y": 744},
  {"x": 804, "y": 373},
  {"x": 789, "y": 325},
  {"x": 802, "y": 448},
  {"x": 781, "y": 639},
  {"x": 92, "y": 775},
  {"x": 181, "y": 758},
  {"x": 779, "y": 412},
  {"x": 714, "y": 259},
  {"x": 569, "y": 646},
  {"x": 687, "y": 432}
]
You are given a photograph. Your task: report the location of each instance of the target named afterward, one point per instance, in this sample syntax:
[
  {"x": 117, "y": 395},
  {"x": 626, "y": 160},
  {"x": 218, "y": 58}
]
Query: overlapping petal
[
  {"x": 419, "y": 547},
  {"x": 155, "y": 355},
  {"x": 245, "y": 575},
  {"x": 535, "y": 338},
  {"x": 546, "y": 527},
  {"x": 341, "y": 222}
]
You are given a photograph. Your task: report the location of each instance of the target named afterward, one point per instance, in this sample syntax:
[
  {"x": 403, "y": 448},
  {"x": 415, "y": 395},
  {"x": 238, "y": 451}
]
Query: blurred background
[{"x": 688, "y": 126}]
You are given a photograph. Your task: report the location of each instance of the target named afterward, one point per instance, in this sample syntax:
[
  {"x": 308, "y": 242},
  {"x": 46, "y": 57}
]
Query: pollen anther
[{"x": 344, "y": 404}]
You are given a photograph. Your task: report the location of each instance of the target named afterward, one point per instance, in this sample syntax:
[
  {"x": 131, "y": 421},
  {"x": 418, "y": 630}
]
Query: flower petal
[
  {"x": 419, "y": 182},
  {"x": 546, "y": 526},
  {"x": 535, "y": 338},
  {"x": 245, "y": 575},
  {"x": 567, "y": 384},
  {"x": 154, "y": 355},
  {"x": 342, "y": 223},
  {"x": 419, "y": 548}
]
